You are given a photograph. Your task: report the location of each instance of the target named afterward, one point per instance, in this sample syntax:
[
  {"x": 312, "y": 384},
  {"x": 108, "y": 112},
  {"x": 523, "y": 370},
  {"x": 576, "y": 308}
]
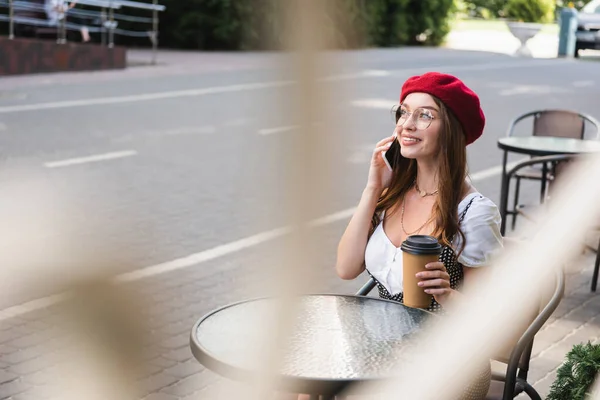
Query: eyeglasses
[{"x": 421, "y": 117}]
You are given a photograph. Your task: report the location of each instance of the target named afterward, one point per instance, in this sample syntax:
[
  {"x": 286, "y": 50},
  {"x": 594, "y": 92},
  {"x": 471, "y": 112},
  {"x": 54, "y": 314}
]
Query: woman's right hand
[{"x": 379, "y": 174}]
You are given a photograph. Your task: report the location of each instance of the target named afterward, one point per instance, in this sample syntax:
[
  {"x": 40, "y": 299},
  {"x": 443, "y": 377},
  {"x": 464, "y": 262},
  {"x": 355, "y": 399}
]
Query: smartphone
[{"x": 392, "y": 154}]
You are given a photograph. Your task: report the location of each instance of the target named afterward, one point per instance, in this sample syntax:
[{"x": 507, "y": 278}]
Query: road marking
[
  {"x": 377, "y": 72},
  {"x": 280, "y": 129},
  {"x": 215, "y": 252},
  {"x": 445, "y": 68},
  {"x": 143, "y": 97},
  {"x": 203, "y": 256},
  {"x": 146, "y": 135},
  {"x": 331, "y": 218},
  {"x": 483, "y": 67},
  {"x": 190, "y": 130},
  {"x": 89, "y": 159},
  {"x": 238, "y": 122},
  {"x": 266, "y": 85},
  {"x": 30, "y": 306},
  {"x": 382, "y": 104},
  {"x": 531, "y": 89},
  {"x": 369, "y": 73},
  {"x": 583, "y": 83},
  {"x": 493, "y": 171}
]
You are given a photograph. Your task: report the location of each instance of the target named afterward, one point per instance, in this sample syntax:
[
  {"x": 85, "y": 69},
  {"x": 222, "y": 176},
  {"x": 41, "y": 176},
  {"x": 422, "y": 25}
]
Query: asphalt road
[{"x": 148, "y": 166}]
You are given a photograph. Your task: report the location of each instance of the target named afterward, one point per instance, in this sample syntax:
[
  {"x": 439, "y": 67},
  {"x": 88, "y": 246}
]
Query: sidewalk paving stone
[
  {"x": 156, "y": 382},
  {"x": 176, "y": 342},
  {"x": 184, "y": 369},
  {"x": 8, "y": 335},
  {"x": 190, "y": 384},
  {"x": 23, "y": 354},
  {"x": 160, "y": 396},
  {"x": 180, "y": 355},
  {"x": 7, "y": 376},
  {"x": 13, "y": 387}
]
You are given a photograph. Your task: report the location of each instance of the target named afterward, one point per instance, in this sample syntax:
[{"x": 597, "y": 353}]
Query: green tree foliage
[
  {"x": 484, "y": 8},
  {"x": 408, "y": 22},
  {"x": 540, "y": 11},
  {"x": 257, "y": 24}
]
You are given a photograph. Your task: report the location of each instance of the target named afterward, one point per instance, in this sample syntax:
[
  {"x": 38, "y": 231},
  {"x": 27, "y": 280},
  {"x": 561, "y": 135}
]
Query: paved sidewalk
[{"x": 29, "y": 343}]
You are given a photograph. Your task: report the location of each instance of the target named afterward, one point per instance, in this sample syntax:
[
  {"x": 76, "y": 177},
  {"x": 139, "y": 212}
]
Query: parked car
[{"x": 588, "y": 27}]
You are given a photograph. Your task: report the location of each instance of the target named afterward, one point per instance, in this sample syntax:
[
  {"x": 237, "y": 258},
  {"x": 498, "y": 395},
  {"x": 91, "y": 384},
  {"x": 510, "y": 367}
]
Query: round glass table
[
  {"x": 547, "y": 145},
  {"x": 336, "y": 340}
]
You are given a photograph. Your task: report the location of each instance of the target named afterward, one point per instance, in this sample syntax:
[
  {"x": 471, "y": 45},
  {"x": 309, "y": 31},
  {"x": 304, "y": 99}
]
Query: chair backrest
[
  {"x": 557, "y": 123},
  {"x": 518, "y": 363}
]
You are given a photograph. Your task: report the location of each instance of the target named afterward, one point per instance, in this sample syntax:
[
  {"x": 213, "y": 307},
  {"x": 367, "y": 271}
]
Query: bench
[
  {"x": 25, "y": 12},
  {"x": 29, "y": 19}
]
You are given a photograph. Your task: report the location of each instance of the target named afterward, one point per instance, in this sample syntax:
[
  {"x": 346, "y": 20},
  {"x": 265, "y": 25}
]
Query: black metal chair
[
  {"x": 596, "y": 267},
  {"x": 367, "y": 287},
  {"x": 508, "y": 385},
  {"x": 558, "y": 160},
  {"x": 513, "y": 382},
  {"x": 555, "y": 123}
]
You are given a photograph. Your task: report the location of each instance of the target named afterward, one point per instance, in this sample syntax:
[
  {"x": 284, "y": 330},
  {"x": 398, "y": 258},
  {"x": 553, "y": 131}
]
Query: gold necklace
[
  {"x": 423, "y": 193},
  {"x": 402, "y": 220}
]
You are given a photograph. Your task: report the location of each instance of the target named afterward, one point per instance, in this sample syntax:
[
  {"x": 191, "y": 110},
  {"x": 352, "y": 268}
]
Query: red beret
[{"x": 461, "y": 100}]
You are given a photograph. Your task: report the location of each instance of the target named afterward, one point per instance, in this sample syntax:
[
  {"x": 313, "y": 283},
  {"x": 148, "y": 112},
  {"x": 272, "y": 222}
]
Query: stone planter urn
[{"x": 524, "y": 31}]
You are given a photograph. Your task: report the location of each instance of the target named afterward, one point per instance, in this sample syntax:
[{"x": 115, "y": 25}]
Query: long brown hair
[{"x": 451, "y": 179}]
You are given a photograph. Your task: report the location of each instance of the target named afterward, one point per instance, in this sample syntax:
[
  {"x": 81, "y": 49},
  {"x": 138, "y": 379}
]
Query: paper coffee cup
[{"x": 417, "y": 251}]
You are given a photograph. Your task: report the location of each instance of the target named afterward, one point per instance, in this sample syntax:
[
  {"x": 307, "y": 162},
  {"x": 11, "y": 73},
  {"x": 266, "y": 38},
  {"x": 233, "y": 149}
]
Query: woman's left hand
[{"x": 436, "y": 281}]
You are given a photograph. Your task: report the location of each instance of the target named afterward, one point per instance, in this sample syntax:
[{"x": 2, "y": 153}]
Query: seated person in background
[{"x": 56, "y": 10}]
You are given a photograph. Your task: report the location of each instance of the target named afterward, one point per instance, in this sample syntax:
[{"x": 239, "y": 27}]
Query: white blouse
[{"x": 481, "y": 227}]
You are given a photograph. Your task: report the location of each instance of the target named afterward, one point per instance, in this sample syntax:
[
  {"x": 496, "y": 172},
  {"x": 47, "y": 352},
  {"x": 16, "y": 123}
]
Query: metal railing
[{"x": 107, "y": 21}]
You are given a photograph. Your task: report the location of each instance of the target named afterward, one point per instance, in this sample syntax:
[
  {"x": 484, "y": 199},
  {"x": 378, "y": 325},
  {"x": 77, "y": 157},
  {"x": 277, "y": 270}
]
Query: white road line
[
  {"x": 377, "y": 72},
  {"x": 382, "y": 104},
  {"x": 331, "y": 218},
  {"x": 89, "y": 159},
  {"x": 493, "y": 171},
  {"x": 369, "y": 73},
  {"x": 211, "y": 254},
  {"x": 202, "y": 256},
  {"x": 30, "y": 306},
  {"x": 583, "y": 83},
  {"x": 183, "y": 131},
  {"x": 279, "y": 129},
  {"x": 532, "y": 89},
  {"x": 477, "y": 67},
  {"x": 443, "y": 68},
  {"x": 142, "y": 97},
  {"x": 238, "y": 122},
  {"x": 265, "y": 85},
  {"x": 190, "y": 130}
]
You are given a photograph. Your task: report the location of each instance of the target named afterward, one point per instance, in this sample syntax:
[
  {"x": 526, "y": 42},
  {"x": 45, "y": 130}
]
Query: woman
[{"x": 427, "y": 193}]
